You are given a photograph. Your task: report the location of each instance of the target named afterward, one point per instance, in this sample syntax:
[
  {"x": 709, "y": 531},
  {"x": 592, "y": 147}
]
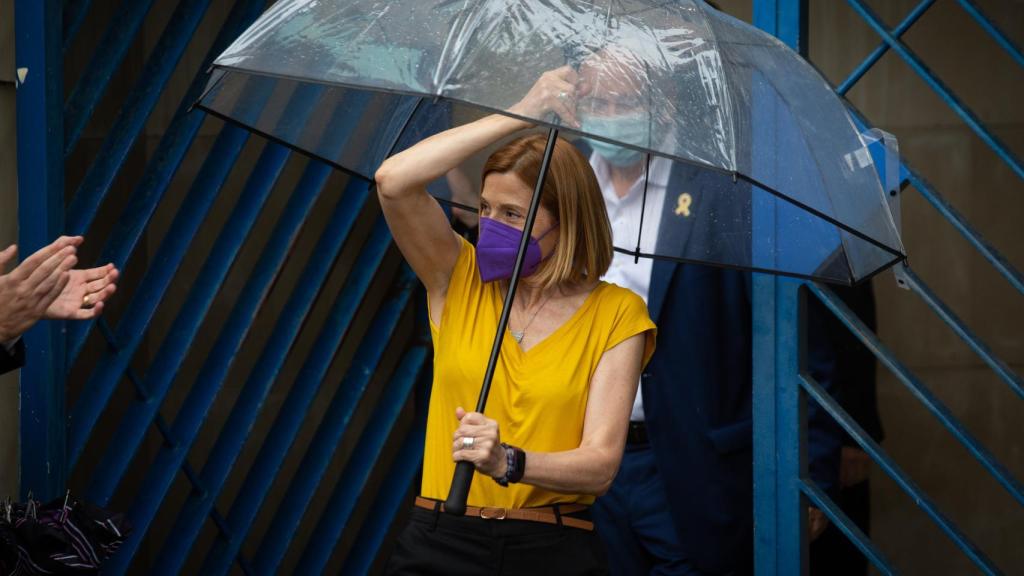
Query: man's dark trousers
[{"x": 635, "y": 524}]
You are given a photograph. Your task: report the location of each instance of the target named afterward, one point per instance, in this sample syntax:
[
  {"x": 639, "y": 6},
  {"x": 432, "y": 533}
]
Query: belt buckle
[{"x": 499, "y": 513}]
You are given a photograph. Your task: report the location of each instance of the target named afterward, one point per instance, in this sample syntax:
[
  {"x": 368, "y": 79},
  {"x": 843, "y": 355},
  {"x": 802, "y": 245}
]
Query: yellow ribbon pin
[{"x": 683, "y": 205}]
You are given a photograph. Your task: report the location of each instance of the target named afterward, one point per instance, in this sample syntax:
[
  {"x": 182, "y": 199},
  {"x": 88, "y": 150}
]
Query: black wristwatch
[{"x": 515, "y": 460}]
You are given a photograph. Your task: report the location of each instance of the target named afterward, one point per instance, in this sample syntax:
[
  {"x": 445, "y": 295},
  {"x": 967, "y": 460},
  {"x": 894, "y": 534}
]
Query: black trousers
[{"x": 437, "y": 543}]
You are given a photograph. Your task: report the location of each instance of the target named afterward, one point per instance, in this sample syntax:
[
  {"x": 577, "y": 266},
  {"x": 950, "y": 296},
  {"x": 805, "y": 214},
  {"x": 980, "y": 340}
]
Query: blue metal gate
[
  {"x": 171, "y": 416},
  {"x": 300, "y": 285},
  {"x": 781, "y": 387}
]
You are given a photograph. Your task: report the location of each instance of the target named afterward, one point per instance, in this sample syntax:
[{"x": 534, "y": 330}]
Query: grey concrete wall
[{"x": 8, "y": 235}]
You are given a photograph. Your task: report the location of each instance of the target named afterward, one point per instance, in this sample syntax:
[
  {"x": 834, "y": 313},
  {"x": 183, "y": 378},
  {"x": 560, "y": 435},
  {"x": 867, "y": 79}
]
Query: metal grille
[
  {"x": 240, "y": 402},
  {"x": 252, "y": 386},
  {"x": 780, "y": 481}
]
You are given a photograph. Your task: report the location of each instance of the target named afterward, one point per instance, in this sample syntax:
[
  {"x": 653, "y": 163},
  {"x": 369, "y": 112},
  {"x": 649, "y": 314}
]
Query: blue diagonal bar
[
  {"x": 140, "y": 207},
  {"x": 175, "y": 344},
  {"x": 75, "y": 12},
  {"x": 211, "y": 376},
  {"x": 992, "y": 30},
  {"x": 839, "y": 518},
  {"x": 390, "y": 498},
  {"x": 882, "y": 48},
  {"x": 918, "y": 389},
  {"x": 257, "y": 188},
  {"x": 318, "y": 454},
  {"x": 250, "y": 401},
  {"x": 939, "y": 87},
  {"x": 878, "y": 455},
  {"x": 946, "y": 314},
  {"x": 203, "y": 392},
  {"x": 105, "y": 60},
  {"x": 179, "y": 338},
  {"x": 131, "y": 330},
  {"x": 960, "y": 223},
  {"x": 144, "y": 96},
  {"x": 321, "y": 450},
  {"x": 290, "y": 418},
  {"x": 360, "y": 464}
]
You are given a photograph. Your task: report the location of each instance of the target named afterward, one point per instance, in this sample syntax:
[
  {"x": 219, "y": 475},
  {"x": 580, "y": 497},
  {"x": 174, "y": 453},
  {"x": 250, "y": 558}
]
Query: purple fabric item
[
  {"x": 496, "y": 251},
  {"x": 64, "y": 536}
]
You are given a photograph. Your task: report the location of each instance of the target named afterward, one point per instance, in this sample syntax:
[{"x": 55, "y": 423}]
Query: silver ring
[
  {"x": 563, "y": 95},
  {"x": 467, "y": 442}
]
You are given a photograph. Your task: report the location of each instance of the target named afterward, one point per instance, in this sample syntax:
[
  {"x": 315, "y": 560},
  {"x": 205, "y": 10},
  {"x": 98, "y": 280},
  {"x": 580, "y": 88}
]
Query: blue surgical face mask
[{"x": 626, "y": 128}]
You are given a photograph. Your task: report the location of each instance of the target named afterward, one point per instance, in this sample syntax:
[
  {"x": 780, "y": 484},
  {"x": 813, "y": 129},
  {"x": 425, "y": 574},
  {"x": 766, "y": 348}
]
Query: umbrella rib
[
  {"x": 674, "y": 158},
  {"x": 819, "y": 214},
  {"x": 759, "y": 270},
  {"x": 643, "y": 208}
]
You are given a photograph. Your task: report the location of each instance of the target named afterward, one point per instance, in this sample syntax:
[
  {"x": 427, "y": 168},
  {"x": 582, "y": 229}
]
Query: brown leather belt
[{"x": 546, "y": 514}]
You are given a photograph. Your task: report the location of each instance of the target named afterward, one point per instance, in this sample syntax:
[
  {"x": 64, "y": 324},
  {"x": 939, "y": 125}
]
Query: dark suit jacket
[
  {"x": 14, "y": 360},
  {"x": 697, "y": 386}
]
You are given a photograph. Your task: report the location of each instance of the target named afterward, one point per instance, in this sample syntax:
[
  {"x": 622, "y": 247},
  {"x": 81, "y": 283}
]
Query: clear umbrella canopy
[{"x": 754, "y": 162}]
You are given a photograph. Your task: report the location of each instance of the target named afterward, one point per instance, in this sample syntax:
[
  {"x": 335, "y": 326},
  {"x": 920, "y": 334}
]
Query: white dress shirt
[{"x": 624, "y": 214}]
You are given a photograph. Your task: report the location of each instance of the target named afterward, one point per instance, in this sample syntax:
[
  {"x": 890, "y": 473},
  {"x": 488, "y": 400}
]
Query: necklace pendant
[{"x": 518, "y": 336}]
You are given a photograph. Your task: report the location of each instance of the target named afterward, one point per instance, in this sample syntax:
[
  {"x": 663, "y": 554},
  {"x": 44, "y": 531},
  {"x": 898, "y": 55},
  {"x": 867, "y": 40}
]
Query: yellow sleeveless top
[{"x": 538, "y": 397}]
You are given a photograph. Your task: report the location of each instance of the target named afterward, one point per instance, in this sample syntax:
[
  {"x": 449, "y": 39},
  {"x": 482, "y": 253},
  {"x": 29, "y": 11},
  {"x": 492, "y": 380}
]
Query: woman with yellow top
[{"x": 559, "y": 406}]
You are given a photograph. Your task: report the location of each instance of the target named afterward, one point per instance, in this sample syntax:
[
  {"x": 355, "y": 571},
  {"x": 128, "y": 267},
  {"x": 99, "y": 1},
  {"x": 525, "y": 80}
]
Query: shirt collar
[{"x": 659, "y": 173}]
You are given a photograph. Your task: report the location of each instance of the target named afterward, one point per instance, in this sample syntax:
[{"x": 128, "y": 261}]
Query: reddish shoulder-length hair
[{"x": 571, "y": 192}]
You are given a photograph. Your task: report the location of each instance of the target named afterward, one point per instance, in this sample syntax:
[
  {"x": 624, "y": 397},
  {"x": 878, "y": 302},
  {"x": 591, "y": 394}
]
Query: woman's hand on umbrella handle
[
  {"x": 554, "y": 92},
  {"x": 485, "y": 450}
]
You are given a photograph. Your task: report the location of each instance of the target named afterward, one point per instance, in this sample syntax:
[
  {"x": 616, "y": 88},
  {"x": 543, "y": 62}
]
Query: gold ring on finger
[{"x": 87, "y": 300}]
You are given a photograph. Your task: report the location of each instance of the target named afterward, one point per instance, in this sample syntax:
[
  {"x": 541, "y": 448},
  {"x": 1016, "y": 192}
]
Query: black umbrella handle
[{"x": 459, "y": 491}]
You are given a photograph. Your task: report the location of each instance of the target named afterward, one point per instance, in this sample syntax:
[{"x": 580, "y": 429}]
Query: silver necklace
[{"x": 520, "y": 334}]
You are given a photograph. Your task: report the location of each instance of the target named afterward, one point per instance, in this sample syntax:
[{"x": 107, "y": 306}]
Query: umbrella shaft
[{"x": 513, "y": 282}]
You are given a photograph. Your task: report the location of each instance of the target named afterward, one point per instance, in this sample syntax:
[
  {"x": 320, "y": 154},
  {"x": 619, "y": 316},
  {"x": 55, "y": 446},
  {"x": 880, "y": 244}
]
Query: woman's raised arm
[{"x": 417, "y": 222}]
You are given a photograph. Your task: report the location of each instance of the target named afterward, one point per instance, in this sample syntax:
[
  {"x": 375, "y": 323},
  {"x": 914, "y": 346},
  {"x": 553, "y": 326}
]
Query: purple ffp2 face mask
[{"x": 496, "y": 251}]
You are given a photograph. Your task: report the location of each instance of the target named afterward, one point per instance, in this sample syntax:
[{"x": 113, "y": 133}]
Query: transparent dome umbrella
[{"x": 768, "y": 170}]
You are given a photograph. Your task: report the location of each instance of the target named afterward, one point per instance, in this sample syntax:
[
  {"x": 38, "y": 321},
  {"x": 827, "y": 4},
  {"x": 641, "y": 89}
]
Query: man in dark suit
[
  {"x": 45, "y": 285},
  {"x": 682, "y": 502}
]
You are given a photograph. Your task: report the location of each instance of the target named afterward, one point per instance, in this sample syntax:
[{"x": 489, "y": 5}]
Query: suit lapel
[
  {"x": 661, "y": 276},
  {"x": 673, "y": 233}
]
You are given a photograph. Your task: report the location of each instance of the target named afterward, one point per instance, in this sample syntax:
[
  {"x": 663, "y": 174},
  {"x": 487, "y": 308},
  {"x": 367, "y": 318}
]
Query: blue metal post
[
  {"x": 37, "y": 29},
  {"x": 779, "y": 520}
]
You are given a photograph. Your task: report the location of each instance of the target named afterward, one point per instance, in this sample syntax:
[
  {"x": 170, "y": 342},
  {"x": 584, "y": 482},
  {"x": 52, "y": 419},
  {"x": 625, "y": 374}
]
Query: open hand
[
  {"x": 84, "y": 294},
  {"x": 28, "y": 290},
  {"x": 816, "y": 523},
  {"x": 554, "y": 92}
]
